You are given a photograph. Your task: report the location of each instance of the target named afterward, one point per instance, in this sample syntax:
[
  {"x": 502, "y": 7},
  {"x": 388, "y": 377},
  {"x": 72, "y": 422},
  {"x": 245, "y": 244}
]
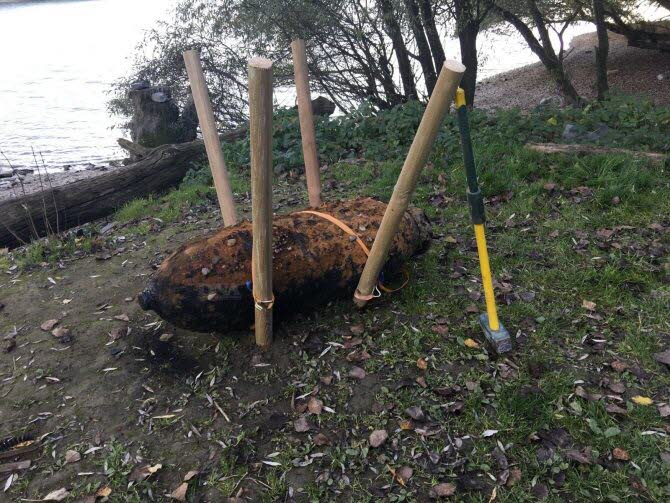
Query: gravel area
[{"x": 631, "y": 71}]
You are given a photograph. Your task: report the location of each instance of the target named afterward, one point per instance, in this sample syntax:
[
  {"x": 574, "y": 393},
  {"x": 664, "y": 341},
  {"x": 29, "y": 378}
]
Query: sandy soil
[{"x": 631, "y": 71}]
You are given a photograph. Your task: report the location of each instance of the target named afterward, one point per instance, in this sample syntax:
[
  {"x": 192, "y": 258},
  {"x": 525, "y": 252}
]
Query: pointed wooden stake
[
  {"x": 430, "y": 125},
  {"x": 260, "y": 126},
  {"x": 306, "y": 115},
  {"x": 203, "y": 106}
]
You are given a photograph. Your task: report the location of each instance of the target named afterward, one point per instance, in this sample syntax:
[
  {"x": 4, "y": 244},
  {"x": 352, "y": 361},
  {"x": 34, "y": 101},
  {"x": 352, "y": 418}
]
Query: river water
[{"x": 59, "y": 59}]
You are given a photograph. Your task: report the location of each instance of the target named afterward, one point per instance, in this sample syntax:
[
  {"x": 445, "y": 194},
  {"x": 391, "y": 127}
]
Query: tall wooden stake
[
  {"x": 260, "y": 127},
  {"x": 433, "y": 117},
  {"x": 306, "y": 123},
  {"x": 203, "y": 106}
]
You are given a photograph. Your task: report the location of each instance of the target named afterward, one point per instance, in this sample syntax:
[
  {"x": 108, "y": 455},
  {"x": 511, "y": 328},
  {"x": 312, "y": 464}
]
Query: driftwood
[
  {"x": 577, "y": 149},
  {"x": 67, "y": 206}
]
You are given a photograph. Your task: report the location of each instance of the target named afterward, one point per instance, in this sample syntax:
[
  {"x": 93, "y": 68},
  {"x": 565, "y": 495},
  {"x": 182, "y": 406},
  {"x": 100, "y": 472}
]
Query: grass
[{"x": 562, "y": 230}]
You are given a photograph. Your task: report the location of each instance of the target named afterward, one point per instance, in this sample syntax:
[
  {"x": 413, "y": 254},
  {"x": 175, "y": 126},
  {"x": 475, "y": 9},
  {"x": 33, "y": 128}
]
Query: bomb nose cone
[{"x": 148, "y": 298}]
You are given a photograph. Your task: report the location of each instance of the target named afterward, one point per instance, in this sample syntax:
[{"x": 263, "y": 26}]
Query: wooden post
[
  {"x": 433, "y": 117},
  {"x": 260, "y": 127},
  {"x": 203, "y": 106},
  {"x": 306, "y": 123}
]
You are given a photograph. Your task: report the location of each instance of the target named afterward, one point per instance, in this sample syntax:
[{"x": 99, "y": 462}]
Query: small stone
[
  {"x": 231, "y": 242},
  {"x": 205, "y": 271},
  {"x": 165, "y": 337},
  {"x": 616, "y": 200}
]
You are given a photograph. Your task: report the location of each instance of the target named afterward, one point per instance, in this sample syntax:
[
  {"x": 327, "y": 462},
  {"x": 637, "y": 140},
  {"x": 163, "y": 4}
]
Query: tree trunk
[
  {"x": 602, "y": 49},
  {"x": 402, "y": 55},
  {"x": 425, "y": 57},
  {"x": 543, "y": 51},
  {"x": 66, "y": 206},
  {"x": 436, "y": 47},
  {"x": 467, "y": 36}
]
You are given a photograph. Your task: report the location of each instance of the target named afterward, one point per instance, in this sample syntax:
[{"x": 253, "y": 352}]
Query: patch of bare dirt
[{"x": 630, "y": 71}]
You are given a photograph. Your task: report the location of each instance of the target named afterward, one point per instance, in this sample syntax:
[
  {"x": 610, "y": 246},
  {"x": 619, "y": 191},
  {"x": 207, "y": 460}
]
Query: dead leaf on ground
[
  {"x": 301, "y": 424},
  {"x": 358, "y": 329},
  {"x": 49, "y": 325},
  {"x": 514, "y": 476},
  {"x": 620, "y": 454},
  {"x": 471, "y": 343},
  {"x": 315, "y": 406},
  {"x": 122, "y": 317},
  {"x": 378, "y": 437},
  {"x": 589, "y": 305},
  {"x": 422, "y": 364},
  {"x": 103, "y": 492},
  {"x": 663, "y": 357},
  {"x": 642, "y": 400},
  {"x": 664, "y": 410},
  {"x": 57, "y": 495},
  {"x": 358, "y": 356},
  {"x": 615, "y": 409},
  {"x": 440, "y": 329},
  {"x": 357, "y": 373},
  {"x": 320, "y": 440},
  {"x": 72, "y": 456},
  {"x": 143, "y": 472},
  {"x": 403, "y": 474},
  {"x": 190, "y": 475},
  {"x": 618, "y": 366},
  {"x": 415, "y": 413},
  {"x": 179, "y": 494},
  {"x": 443, "y": 490},
  {"x": 61, "y": 333}
]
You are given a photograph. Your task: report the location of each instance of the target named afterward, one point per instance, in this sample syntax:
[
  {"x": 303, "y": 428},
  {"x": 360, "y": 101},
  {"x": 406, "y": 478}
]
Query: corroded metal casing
[{"x": 206, "y": 285}]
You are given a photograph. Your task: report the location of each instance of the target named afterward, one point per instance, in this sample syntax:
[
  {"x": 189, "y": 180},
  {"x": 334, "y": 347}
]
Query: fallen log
[
  {"x": 63, "y": 207},
  {"x": 578, "y": 149},
  {"x": 206, "y": 285}
]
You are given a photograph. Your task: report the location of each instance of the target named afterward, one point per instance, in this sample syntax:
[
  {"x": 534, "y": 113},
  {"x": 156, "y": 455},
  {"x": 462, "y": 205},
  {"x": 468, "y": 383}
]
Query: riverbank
[{"x": 631, "y": 71}]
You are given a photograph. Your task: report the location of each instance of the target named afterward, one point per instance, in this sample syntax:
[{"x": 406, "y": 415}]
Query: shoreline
[{"x": 631, "y": 71}]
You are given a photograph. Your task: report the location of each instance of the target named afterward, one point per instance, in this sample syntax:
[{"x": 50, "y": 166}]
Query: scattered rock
[
  {"x": 378, "y": 437},
  {"x": 49, "y": 325}
]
